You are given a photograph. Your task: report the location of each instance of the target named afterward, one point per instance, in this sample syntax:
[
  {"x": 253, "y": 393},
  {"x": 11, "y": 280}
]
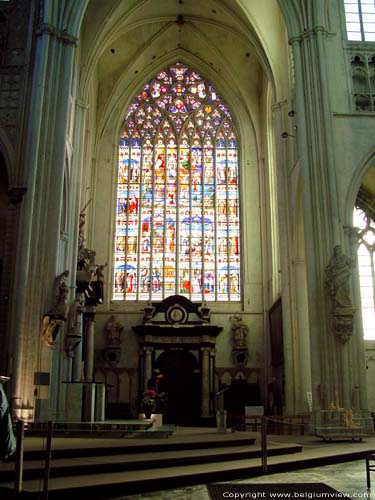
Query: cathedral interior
[{"x": 187, "y": 206}]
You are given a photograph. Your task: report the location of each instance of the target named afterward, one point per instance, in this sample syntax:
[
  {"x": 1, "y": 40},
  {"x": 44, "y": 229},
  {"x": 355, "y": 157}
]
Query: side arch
[
  {"x": 8, "y": 152},
  {"x": 359, "y": 172}
]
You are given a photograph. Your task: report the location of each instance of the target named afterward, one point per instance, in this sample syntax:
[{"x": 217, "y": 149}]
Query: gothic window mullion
[
  {"x": 361, "y": 19},
  {"x": 180, "y": 236}
]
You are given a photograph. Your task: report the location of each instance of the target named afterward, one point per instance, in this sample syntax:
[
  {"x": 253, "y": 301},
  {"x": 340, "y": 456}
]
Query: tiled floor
[{"x": 348, "y": 478}]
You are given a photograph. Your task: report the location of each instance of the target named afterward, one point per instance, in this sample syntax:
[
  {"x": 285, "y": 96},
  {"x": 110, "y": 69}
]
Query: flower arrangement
[{"x": 149, "y": 398}]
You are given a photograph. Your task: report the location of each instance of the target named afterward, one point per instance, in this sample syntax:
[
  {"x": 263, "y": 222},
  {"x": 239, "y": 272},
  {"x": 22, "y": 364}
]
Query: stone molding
[{"x": 60, "y": 35}]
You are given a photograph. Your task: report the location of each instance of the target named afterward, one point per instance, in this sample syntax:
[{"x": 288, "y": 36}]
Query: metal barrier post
[
  {"x": 264, "y": 443},
  {"x": 48, "y": 459},
  {"x": 20, "y": 429},
  {"x": 221, "y": 420}
]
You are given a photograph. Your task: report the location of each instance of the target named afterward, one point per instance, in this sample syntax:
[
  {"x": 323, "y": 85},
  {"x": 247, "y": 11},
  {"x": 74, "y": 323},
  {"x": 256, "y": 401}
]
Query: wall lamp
[{"x": 285, "y": 135}]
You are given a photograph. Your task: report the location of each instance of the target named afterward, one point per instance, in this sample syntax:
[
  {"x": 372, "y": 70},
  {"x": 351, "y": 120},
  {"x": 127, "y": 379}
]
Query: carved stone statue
[
  {"x": 149, "y": 312},
  {"x": 81, "y": 229},
  {"x": 100, "y": 272},
  {"x": 76, "y": 311},
  {"x": 112, "y": 351},
  {"x": 63, "y": 288},
  {"x": 204, "y": 311},
  {"x": 240, "y": 352},
  {"x": 337, "y": 280},
  {"x": 239, "y": 332},
  {"x": 113, "y": 331},
  {"x": 60, "y": 308},
  {"x": 337, "y": 283},
  {"x": 55, "y": 318}
]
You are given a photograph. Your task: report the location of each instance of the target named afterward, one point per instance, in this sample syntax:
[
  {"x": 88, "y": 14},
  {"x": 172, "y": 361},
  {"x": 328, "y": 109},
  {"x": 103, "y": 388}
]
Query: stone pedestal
[
  {"x": 89, "y": 344},
  {"x": 73, "y": 407},
  {"x": 89, "y": 402},
  {"x": 221, "y": 421},
  {"x": 42, "y": 411},
  {"x": 205, "y": 401},
  {"x": 100, "y": 403},
  {"x": 157, "y": 419}
]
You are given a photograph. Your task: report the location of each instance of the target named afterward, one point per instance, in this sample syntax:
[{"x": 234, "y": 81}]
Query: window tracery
[
  {"x": 366, "y": 267},
  {"x": 177, "y": 221}
]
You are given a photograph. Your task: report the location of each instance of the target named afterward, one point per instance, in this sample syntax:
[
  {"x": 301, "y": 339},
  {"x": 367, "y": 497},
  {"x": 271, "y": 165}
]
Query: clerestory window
[
  {"x": 360, "y": 20},
  {"x": 177, "y": 220},
  {"x": 366, "y": 267}
]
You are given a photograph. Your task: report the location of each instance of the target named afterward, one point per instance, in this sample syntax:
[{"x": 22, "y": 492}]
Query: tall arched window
[
  {"x": 360, "y": 20},
  {"x": 366, "y": 266},
  {"x": 177, "y": 221}
]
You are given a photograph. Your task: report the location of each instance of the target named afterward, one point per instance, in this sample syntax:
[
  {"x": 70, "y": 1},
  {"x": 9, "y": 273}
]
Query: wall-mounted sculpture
[
  {"x": 337, "y": 283},
  {"x": 240, "y": 351},
  {"x": 112, "y": 332},
  {"x": 74, "y": 336},
  {"x": 56, "y": 317}
]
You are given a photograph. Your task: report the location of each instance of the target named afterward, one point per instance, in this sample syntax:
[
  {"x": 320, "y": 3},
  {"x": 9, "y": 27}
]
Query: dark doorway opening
[{"x": 182, "y": 383}]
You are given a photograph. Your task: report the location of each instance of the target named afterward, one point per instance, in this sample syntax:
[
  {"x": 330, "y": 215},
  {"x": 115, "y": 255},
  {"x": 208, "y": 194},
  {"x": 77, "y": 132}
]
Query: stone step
[
  {"x": 136, "y": 444},
  {"x": 146, "y": 460},
  {"x": 125, "y": 482}
]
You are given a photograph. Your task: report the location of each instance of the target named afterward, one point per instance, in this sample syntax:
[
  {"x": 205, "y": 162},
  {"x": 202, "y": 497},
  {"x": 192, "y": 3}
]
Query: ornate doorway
[
  {"x": 178, "y": 339},
  {"x": 182, "y": 383}
]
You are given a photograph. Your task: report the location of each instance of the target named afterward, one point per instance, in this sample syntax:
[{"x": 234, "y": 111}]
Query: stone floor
[{"x": 348, "y": 478}]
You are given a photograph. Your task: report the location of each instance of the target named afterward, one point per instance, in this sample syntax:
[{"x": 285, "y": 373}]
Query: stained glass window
[
  {"x": 366, "y": 266},
  {"x": 177, "y": 221}
]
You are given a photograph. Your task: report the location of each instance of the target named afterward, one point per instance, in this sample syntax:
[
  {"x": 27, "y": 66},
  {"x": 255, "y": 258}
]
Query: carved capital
[{"x": 308, "y": 33}]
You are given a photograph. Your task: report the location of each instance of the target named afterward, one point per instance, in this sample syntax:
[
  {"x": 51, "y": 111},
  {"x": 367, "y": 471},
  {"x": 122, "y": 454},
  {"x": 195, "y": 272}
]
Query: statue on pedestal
[
  {"x": 337, "y": 283},
  {"x": 55, "y": 318},
  {"x": 113, "y": 331},
  {"x": 74, "y": 336},
  {"x": 240, "y": 352}
]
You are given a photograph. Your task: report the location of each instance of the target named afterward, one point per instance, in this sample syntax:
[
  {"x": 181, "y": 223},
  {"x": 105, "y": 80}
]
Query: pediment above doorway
[
  {"x": 177, "y": 340},
  {"x": 176, "y": 318}
]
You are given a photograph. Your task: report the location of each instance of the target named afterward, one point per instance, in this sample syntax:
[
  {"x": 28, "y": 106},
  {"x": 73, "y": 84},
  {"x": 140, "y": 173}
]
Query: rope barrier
[{"x": 276, "y": 423}]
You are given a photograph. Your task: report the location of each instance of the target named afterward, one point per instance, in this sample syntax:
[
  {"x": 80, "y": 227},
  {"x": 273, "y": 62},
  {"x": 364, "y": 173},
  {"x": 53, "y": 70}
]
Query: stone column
[
  {"x": 15, "y": 196},
  {"x": 89, "y": 344},
  {"x": 42, "y": 166},
  {"x": 284, "y": 150},
  {"x": 147, "y": 365},
  {"x": 205, "y": 407},
  {"x": 74, "y": 338},
  {"x": 77, "y": 364},
  {"x": 322, "y": 228}
]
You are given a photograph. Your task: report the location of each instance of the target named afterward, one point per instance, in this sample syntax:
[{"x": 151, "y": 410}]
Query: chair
[{"x": 370, "y": 467}]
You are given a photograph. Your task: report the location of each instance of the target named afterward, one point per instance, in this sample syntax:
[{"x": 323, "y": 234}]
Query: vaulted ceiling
[{"x": 125, "y": 42}]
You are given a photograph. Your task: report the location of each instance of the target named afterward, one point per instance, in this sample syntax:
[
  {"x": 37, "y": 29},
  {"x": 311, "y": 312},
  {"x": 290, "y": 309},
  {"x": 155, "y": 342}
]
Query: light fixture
[{"x": 285, "y": 135}]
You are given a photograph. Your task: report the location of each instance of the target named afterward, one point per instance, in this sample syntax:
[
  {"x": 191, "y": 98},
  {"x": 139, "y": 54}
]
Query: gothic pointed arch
[{"x": 177, "y": 220}]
